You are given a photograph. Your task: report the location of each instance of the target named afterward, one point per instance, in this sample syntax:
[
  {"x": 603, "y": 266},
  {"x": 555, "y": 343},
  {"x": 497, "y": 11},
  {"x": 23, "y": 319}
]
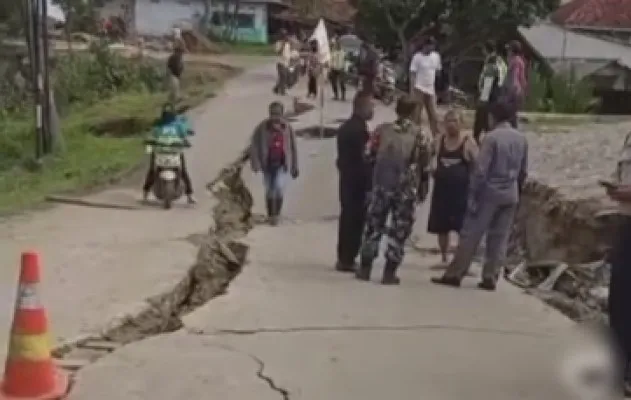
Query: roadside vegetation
[
  {"x": 558, "y": 93},
  {"x": 106, "y": 103},
  {"x": 253, "y": 49}
]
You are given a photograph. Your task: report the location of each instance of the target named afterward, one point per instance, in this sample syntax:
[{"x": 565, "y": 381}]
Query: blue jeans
[{"x": 274, "y": 182}]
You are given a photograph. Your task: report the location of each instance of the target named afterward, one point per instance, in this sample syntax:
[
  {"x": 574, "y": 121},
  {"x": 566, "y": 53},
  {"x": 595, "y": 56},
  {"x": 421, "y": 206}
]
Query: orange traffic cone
[{"x": 29, "y": 370}]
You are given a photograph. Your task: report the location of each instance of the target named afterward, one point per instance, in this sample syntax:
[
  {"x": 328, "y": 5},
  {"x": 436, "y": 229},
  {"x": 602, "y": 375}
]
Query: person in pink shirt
[{"x": 516, "y": 82}]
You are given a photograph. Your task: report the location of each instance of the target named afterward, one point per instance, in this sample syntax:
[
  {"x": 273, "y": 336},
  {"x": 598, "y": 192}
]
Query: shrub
[
  {"x": 101, "y": 73},
  {"x": 570, "y": 95},
  {"x": 537, "y": 93},
  {"x": 559, "y": 93},
  {"x": 85, "y": 78}
]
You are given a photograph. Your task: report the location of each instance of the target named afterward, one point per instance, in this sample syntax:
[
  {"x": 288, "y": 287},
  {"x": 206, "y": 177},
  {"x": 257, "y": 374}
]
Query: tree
[{"x": 462, "y": 22}]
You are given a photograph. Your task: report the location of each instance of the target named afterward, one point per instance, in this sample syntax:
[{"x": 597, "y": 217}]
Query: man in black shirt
[
  {"x": 368, "y": 67},
  {"x": 175, "y": 68},
  {"x": 352, "y": 137}
]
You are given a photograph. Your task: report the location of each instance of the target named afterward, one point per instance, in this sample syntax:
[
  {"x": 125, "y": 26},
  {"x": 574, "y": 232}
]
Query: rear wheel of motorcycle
[{"x": 169, "y": 193}]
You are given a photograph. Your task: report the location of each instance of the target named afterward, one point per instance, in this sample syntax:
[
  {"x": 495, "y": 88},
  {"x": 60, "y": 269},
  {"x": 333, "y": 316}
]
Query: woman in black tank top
[{"x": 451, "y": 182}]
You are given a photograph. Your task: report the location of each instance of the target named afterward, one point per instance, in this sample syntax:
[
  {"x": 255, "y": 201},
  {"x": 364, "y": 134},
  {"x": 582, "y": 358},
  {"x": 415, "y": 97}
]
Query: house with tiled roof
[
  {"x": 608, "y": 19},
  {"x": 336, "y": 13}
]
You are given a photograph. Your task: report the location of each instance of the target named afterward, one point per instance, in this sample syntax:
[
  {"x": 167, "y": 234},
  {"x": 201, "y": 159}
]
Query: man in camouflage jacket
[{"x": 401, "y": 155}]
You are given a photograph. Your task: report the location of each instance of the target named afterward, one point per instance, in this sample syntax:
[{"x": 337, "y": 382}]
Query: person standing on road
[
  {"x": 515, "y": 84},
  {"x": 337, "y": 76},
  {"x": 352, "y": 138},
  {"x": 314, "y": 69},
  {"x": 500, "y": 171},
  {"x": 273, "y": 152},
  {"x": 489, "y": 83},
  {"x": 175, "y": 69},
  {"x": 456, "y": 154},
  {"x": 423, "y": 68},
  {"x": 402, "y": 156},
  {"x": 620, "y": 258},
  {"x": 283, "y": 51},
  {"x": 368, "y": 67},
  {"x": 620, "y": 285}
]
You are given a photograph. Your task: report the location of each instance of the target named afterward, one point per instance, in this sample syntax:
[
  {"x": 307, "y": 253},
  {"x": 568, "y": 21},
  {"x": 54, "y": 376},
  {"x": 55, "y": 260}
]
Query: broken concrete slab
[{"x": 172, "y": 367}]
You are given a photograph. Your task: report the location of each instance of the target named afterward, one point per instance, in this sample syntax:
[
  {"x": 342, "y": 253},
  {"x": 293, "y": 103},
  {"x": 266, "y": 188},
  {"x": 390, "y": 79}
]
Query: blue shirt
[{"x": 177, "y": 130}]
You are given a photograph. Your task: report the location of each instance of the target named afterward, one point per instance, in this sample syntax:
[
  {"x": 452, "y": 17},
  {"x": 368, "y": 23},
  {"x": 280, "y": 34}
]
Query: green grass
[
  {"x": 88, "y": 161},
  {"x": 256, "y": 49}
]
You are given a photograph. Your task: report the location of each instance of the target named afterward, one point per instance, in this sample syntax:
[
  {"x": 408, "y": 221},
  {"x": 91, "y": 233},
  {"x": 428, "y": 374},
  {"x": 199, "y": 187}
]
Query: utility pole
[
  {"x": 34, "y": 25},
  {"x": 47, "y": 134}
]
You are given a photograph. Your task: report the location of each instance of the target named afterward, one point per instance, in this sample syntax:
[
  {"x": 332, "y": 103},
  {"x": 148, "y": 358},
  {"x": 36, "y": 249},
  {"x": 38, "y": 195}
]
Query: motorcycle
[
  {"x": 168, "y": 186},
  {"x": 294, "y": 69},
  {"x": 386, "y": 83}
]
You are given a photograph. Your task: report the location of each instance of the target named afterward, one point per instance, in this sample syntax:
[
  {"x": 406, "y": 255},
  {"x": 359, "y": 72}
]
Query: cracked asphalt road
[
  {"x": 290, "y": 327},
  {"x": 100, "y": 263}
]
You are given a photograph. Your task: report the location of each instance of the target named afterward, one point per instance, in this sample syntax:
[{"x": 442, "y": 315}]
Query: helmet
[{"x": 168, "y": 113}]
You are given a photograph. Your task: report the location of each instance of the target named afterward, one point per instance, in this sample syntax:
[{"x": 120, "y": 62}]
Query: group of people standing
[
  {"x": 290, "y": 65},
  {"x": 386, "y": 173},
  {"x": 383, "y": 174},
  {"x": 477, "y": 182},
  {"x": 478, "y": 179}
]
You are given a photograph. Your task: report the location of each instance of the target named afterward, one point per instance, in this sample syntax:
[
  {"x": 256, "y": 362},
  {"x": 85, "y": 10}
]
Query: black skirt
[
  {"x": 451, "y": 188},
  {"x": 447, "y": 211}
]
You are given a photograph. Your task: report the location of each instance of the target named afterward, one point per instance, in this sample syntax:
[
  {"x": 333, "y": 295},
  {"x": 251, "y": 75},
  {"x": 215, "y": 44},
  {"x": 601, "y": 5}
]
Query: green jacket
[{"x": 502, "y": 71}]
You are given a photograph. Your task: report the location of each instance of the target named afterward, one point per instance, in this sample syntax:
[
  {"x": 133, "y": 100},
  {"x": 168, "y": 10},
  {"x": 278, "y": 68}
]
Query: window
[
  {"x": 215, "y": 19},
  {"x": 245, "y": 21}
]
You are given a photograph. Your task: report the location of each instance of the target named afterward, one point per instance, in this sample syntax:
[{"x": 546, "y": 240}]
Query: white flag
[{"x": 321, "y": 36}]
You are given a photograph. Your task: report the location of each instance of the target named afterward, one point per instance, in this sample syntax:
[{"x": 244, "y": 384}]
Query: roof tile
[{"x": 594, "y": 13}]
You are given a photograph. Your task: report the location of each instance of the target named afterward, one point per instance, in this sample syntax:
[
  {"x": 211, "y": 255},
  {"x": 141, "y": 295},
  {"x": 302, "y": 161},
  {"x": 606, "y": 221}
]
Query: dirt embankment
[
  {"x": 565, "y": 224},
  {"x": 562, "y": 245}
]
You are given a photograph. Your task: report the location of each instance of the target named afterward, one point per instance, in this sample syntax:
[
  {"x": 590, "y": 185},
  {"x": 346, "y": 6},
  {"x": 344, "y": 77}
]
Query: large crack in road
[{"x": 220, "y": 259}]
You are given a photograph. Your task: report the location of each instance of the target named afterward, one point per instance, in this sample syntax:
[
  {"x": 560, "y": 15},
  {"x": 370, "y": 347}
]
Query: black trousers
[
  {"x": 481, "y": 122},
  {"x": 282, "y": 82},
  {"x": 150, "y": 178},
  {"x": 352, "y": 218},
  {"x": 620, "y": 296},
  {"x": 312, "y": 86},
  {"x": 337, "y": 83}
]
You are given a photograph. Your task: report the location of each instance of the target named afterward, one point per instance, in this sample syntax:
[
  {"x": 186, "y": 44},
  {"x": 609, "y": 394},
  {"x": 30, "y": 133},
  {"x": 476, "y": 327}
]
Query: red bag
[{"x": 276, "y": 151}]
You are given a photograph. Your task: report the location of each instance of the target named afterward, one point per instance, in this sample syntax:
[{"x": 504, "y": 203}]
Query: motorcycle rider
[{"x": 170, "y": 125}]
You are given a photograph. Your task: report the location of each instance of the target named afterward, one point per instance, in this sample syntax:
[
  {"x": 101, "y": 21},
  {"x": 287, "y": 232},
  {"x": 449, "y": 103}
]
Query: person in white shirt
[
  {"x": 423, "y": 68},
  {"x": 337, "y": 75},
  {"x": 283, "y": 50}
]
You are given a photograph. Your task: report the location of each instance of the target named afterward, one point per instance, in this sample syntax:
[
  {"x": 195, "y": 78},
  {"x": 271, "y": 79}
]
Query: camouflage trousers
[{"x": 400, "y": 206}]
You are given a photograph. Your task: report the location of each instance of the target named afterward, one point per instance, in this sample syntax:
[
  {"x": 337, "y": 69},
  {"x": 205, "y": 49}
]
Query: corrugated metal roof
[{"x": 548, "y": 40}]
